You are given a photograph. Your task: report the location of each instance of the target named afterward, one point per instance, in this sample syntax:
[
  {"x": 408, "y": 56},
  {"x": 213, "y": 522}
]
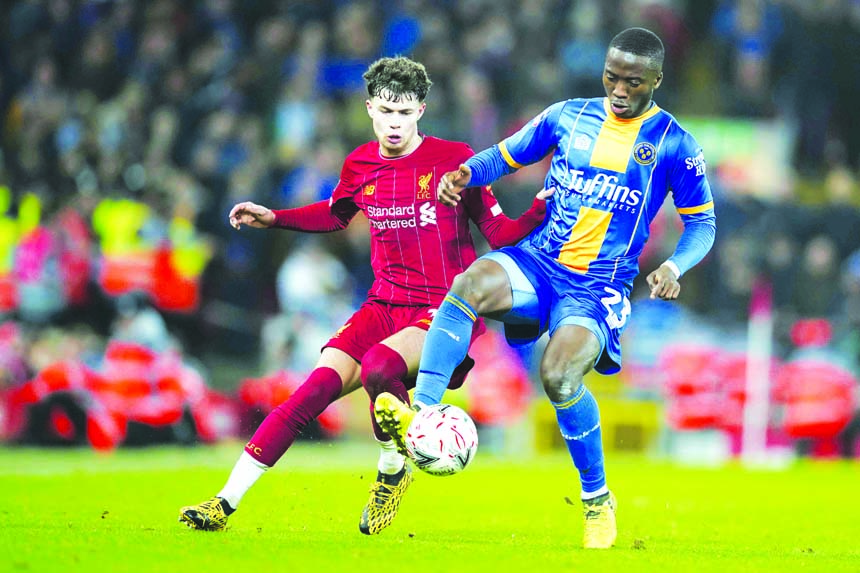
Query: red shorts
[{"x": 375, "y": 321}]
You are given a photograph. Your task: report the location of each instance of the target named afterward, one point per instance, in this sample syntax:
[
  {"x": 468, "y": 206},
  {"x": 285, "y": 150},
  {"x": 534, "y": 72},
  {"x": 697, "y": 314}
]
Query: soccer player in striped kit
[
  {"x": 418, "y": 246},
  {"x": 615, "y": 159}
]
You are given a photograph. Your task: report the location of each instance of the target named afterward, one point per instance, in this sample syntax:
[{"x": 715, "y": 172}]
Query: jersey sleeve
[
  {"x": 324, "y": 216},
  {"x": 694, "y": 202},
  {"x": 688, "y": 179},
  {"x": 319, "y": 217},
  {"x": 500, "y": 230},
  {"x": 534, "y": 140}
]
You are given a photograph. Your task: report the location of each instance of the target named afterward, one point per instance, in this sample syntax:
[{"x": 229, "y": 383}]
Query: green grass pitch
[{"x": 63, "y": 510}]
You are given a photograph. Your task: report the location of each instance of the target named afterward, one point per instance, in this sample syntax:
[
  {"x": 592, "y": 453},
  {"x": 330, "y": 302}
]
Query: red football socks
[{"x": 279, "y": 429}]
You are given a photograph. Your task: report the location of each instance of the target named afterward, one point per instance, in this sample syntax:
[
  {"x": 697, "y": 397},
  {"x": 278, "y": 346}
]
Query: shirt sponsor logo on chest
[{"x": 396, "y": 217}]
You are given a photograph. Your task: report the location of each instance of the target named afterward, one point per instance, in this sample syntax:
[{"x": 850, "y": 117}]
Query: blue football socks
[
  {"x": 445, "y": 347},
  {"x": 579, "y": 422}
]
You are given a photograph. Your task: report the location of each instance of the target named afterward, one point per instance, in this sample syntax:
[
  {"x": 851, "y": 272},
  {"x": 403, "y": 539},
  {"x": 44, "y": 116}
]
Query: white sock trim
[
  {"x": 250, "y": 459},
  {"x": 390, "y": 460},
  {"x": 586, "y": 495},
  {"x": 245, "y": 474}
]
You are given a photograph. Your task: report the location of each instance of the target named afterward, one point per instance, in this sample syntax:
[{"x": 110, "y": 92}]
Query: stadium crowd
[{"x": 131, "y": 128}]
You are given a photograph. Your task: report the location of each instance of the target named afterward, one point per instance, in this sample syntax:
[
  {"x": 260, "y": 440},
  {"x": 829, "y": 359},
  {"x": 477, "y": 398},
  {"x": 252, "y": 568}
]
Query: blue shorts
[{"x": 547, "y": 295}]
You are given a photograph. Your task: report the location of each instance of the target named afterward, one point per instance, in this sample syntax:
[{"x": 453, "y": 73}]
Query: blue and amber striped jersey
[{"x": 611, "y": 176}]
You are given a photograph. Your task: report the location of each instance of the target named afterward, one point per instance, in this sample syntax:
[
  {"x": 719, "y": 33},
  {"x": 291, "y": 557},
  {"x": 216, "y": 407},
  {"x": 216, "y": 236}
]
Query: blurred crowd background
[{"x": 129, "y": 129}]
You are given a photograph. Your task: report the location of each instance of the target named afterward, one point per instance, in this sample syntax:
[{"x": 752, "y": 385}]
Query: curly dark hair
[
  {"x": 641, "y": 42},
  {"x": 396, "y": 78}
]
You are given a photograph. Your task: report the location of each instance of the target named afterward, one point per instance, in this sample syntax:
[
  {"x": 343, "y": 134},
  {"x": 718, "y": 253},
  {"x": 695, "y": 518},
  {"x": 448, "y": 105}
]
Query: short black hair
[
  {"x": 641, "y": 42},
  {"x": 396, "y": 78}
]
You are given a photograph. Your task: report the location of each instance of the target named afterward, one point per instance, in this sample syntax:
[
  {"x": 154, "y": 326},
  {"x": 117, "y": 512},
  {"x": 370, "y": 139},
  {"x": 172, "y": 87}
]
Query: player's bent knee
[
  {"x": 562, "y": 378},
  {"x": 480, "y": 287},
  {"x": 379, "y": 366},
  {"x": 560, "y": 385},
  {"x": 465, "y": 286}
]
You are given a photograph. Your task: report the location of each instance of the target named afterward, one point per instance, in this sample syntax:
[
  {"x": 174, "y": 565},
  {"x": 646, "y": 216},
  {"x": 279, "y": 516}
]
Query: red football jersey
[{"x": 418, "y": 245}]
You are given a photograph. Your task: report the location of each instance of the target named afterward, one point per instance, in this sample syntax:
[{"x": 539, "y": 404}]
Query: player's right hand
[
  {"x": 251, "y": 214},
  {"x": 452, "y": 184}
]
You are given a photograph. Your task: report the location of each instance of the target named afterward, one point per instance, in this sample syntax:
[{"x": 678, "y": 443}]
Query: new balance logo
[{"x": 427, "y": 214}]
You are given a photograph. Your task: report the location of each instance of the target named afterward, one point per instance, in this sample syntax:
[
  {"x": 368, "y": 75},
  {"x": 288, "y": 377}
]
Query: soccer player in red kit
[{"x": 417, "y": 249}]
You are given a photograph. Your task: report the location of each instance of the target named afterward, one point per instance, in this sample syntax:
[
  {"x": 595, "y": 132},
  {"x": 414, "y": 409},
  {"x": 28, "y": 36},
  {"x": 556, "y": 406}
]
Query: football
[{"x": 442, "y": 439}]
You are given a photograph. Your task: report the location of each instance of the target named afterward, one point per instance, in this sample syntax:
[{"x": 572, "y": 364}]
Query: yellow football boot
[
  {"x": 600, "y": 529},
  {"x": 211, "y": 515},
  {"x": 385, "y": 496},
  {"x": 394, "y": 417}
]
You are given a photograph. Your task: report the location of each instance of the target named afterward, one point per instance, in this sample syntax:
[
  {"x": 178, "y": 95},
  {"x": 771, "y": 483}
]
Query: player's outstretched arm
[
  {"x": 451, "y": 185},
  {"x": 252, "y": 215},
  {"x": 664, "y": 283}
]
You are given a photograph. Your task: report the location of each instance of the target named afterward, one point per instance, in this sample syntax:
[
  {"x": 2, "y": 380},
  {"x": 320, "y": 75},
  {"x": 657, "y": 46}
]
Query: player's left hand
[{"x": 663, "y": 283}]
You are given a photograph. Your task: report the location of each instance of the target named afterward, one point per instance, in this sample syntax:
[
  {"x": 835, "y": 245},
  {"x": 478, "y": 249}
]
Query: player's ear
[
  {"x": 659, "y": 80},
  {"x": 421, "y": 109},
  {"x": 369, "y": 107}
]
